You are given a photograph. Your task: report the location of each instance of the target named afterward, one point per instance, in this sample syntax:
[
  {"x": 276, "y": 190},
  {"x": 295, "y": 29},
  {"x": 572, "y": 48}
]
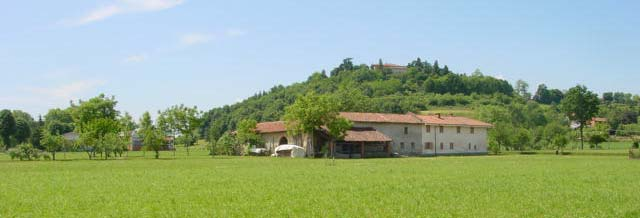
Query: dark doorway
[{"x": 283, "y": 141}]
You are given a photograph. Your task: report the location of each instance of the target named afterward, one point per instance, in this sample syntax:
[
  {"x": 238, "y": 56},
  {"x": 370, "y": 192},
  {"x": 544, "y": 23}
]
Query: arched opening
[{"x": 283, "y": 141}]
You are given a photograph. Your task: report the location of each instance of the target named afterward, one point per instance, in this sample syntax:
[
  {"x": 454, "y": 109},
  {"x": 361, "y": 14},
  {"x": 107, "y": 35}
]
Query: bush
[
  {"x": 25, "y": 152},
  {"x": 635, "y": 145}
]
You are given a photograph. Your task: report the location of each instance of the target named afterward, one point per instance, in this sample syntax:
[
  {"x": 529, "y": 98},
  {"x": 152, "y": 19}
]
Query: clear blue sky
[{"x": 152, "y": 54}]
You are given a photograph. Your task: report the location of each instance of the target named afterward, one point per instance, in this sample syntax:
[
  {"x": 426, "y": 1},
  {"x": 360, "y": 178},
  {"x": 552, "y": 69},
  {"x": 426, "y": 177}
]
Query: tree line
[{"x": 522, "y": 120}]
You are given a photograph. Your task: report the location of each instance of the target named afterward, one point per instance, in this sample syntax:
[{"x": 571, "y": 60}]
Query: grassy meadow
[{"x": 201, "y": 186}]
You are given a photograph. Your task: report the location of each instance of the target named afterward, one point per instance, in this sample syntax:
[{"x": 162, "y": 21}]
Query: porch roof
[{"x": 365, "y": 135}]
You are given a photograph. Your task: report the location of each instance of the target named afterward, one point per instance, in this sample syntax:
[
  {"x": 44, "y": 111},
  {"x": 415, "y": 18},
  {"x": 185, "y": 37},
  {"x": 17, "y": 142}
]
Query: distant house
[
  {"x": 380, "y": 135},
  {"x": 597, "y": 120},
  {"x": 71, "y": 136},
  {"x": 137, "y": 142},
  {"x": 393, "y": 67}
]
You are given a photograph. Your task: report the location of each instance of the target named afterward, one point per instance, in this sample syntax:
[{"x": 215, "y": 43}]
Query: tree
[
  {"x": 559, "y": 142},
  {"x": 52, "y": 143},
  {"x": 153, "y": 140},
  {"x": 246, "y": 133},
  {"x": 310, "y": 112},
  {"x": 7, "y": 127},
  {"x": 522, "y": 139},
  {"x": 502, "y": 135},
  {"x": 23, "y": 131},
  {"x": 596, "y": 139},
  {"x": 522, "y": 88},
  {"x": 58, "y": 121},
  {"x": 580, "y": 105},
  {"x": 181, "y": 120},
  {"x": 152, "y": 137},
  {"x": 226, "y": 143},
  {"x": 94, "y": 119}
]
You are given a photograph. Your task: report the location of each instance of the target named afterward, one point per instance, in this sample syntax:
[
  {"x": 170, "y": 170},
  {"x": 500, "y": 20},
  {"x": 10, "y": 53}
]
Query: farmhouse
[{"x": 381, "y": 135}]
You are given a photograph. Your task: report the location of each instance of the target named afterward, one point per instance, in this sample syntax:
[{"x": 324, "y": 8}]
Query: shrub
[{"x": 25, "y": 152}]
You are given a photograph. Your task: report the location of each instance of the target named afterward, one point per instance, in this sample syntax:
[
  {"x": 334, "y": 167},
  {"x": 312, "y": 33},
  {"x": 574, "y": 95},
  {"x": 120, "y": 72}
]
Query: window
[
  {"x": 406, "y": 130},
  {"x": 474, "y": 147},
  {"x": 413, "y": 146},
  {"x": 472, "y": 130},
  {"x": 458, "y": 130},
  {"x": 451, "y": 146},
  {"x": 469, "y": 146},
  {"x": 442, "y": 129},
  {"x": 428, "y": 129},
  {"x": 441, "y": 146},
  {"x": 401, "y": 145},
  {"x": 428, "y": 145}
]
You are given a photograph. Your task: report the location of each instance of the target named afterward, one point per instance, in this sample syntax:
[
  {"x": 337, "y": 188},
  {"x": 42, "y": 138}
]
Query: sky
[{"x": 151, "y": 54}]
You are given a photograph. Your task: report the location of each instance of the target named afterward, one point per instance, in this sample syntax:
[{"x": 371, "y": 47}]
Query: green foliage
[
  {"x": 595, "y": 140},
  {"x": 23, "y": 131},
  {"x": 580, "y": 105},
  {"x": 246, "y": 134},
  {"x": 228, "y": 144},
  {"x": 181, "y": 120},
  {"x": 52, "y": 143},
  {"x": 25, "y": 151},
  {"x": 309, "y": 113},
  {"x": 7, "y": 127},
  {"x": 58, "y": 121},
  {"x": 153, "y": 140},
  {"x": 361, "y": 89}
]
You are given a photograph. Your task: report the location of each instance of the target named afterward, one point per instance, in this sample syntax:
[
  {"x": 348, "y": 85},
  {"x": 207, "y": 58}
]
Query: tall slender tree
[
  {"x": 580, "y": 105},
  {"x": 7, "y": 127}
]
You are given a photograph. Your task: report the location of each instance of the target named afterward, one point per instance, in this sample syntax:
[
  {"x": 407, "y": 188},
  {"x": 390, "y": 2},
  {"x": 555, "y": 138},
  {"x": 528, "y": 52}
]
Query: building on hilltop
[
  {"x": 382, "y": 134},
  {"x": 393, "y": 67}
]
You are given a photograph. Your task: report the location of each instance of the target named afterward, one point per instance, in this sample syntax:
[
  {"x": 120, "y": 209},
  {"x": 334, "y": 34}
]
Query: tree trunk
[
  {"x": 53, "y": 154},
  {"x": 581, "y": 137},
  {"x": 157, "y": 154}
]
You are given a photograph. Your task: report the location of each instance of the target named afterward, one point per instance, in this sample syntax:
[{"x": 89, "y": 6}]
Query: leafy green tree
[
  {"x": 560, "y": 142},
  {"x": 522, "y": 88},
  {"x": 94, "y": 119},
  {"x": 37, "y": 134},
  {"x": 597, "y": 139},
  {"x": 502, "y": 135},
  {"x": 153, "y": 140},
  {"x": 7, "y": 127},
  {"x": 58, "y": 121},
  {"x": 522, "y": 139},
  {"x": 580, "y": 105},
  {"x": 181, "y": 120},
  {"x": 246, "y": 134},
  {"x": 312, "y": 111},
  {"x": 227, "y": 142},
  {"x": 23, "y": 131},
  {"x": 52, "y": 143}
]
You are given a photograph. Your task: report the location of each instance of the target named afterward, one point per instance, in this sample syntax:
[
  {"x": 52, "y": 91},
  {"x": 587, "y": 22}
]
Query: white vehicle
[{"x": 292, "y": 151}]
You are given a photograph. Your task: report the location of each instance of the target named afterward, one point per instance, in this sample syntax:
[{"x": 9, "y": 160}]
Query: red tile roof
[
  {"x": 271, "y": 127},
  {"x": 365, "y": 135},
  {"x": 452, "y": 121},
  {"x": 380, "y": 118}
]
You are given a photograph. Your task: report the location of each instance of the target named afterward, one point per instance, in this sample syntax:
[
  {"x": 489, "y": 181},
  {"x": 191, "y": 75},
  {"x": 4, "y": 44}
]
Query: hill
[{"x": 366, "y": 88}]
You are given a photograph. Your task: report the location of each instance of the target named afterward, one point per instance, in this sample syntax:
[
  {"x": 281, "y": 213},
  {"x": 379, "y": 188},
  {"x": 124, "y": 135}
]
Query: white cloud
[
  {"x": 195, "y": 38},
  {"x": 135, "y": 58},
  {"x": 68, "y": 91},
  {"x": 121, "y": 7}
]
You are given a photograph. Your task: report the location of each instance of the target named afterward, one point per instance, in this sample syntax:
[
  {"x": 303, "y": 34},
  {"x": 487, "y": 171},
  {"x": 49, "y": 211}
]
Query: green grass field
[{"x": 201, "y": 186}]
